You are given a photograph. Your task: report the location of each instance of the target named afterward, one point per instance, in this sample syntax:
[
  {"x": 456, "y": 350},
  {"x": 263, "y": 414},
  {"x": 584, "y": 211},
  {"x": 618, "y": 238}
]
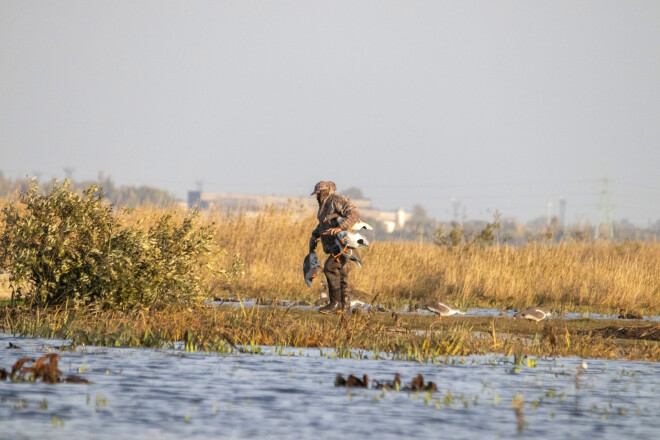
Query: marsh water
[
  {"x": 283, "y": 392},
  {"x": 250, "y": 302}
]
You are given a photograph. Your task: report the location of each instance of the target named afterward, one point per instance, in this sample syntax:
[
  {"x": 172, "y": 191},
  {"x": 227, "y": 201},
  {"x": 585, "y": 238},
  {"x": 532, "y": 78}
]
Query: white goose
[
  {"x": 440, "y": 308},
  {"x": 533, "y": 314}
]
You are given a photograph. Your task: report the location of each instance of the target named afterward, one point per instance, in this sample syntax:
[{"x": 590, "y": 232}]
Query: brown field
[
  {"x": 582, "y": 277},
  {"x": 267, "y": 250},
  {"x": 263, "y": 256}
]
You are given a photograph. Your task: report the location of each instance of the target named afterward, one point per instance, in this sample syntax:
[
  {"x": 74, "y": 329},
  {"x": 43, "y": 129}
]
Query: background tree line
[{"x": 124, "y": 195}]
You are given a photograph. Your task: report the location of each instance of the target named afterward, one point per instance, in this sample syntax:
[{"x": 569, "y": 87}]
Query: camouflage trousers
[{"x": 336, "y": 272}]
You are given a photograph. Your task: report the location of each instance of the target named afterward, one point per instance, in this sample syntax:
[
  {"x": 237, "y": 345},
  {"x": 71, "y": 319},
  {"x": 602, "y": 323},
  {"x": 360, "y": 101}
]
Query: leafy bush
[{"x": 71, "y": 248}]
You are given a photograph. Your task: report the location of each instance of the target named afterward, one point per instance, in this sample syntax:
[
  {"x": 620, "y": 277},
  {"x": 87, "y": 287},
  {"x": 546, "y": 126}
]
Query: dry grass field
[
  {"x": 573, "y": 276},
  {"x": 263, "y": 256}
]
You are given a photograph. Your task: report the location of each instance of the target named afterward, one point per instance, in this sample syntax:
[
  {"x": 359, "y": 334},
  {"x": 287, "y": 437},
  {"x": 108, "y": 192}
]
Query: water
[
  {"x": 251, "y": 302},
  {"x": 149, "y": 393}
]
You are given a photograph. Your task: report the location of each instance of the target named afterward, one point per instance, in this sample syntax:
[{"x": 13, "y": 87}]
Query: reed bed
[
  {"x": 584, "y": 277},
  {"x": 261, "y": 255},
  {"x": 373, "y": 335}
]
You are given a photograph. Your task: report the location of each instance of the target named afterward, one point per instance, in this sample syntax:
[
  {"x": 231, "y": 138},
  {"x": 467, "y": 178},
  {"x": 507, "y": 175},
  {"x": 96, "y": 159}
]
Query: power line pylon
[
  {"x": 605, "y": 226},
  {"x": 562, "y": 211}
]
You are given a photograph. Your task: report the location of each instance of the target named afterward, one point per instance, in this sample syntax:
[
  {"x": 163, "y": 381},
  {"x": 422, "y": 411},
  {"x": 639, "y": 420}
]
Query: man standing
[{"x": 337, "y": 266}]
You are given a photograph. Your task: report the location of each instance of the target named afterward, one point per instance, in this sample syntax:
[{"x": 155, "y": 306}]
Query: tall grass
[
  {"x": 211, "y": 328},
  {"x": 594, "y": 277},
  {"x": 262, "y": 257}
]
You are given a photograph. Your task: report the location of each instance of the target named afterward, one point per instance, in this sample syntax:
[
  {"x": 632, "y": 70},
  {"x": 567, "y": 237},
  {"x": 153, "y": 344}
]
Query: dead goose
[
  {"x": 353, "y": 256},
  {"x": 360, "y": 224},
  {"x": 347, "y": 241},
  {"x": 440, "y": 308},
  {"x": 311, "y": 267},
  {"x": 357, "y": 226},
  {"x": 351, "y": 239},
  {"x": 533, "y": 314}
]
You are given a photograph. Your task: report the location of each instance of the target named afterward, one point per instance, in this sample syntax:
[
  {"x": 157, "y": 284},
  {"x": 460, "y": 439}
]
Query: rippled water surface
[{"x": 149, "y": 393}]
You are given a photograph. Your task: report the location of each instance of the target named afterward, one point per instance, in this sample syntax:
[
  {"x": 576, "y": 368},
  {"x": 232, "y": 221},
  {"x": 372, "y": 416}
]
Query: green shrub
[{"x": 71, "y": 248}]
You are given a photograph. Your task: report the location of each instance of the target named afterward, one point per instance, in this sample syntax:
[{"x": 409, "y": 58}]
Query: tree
[
  {"x": 420, "y": 225},
  {"x": 353, "y": 193},
  {"x": 70, "y": 248}
]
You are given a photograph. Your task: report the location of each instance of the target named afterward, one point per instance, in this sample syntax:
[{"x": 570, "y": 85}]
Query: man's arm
[
  {"x": 349, "y": 213},
  {"x": 313, "y": 241}
]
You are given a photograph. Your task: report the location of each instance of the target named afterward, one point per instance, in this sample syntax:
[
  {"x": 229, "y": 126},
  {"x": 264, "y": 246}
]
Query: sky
[{"x": 492, "y": 105}]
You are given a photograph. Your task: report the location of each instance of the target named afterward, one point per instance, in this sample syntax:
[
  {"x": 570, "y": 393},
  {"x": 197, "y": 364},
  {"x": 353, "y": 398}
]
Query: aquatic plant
[
  {"x": 417, "y": 384},
  {"x": 518, "y": 405},
  {"x": 45, "y": 369},
  {"x": 230, "y": 329}
]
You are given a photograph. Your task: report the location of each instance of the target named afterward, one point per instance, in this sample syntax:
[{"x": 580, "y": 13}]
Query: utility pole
[
  {"x": 605, "y": 225},
  {"x": 562, "y": 211}
]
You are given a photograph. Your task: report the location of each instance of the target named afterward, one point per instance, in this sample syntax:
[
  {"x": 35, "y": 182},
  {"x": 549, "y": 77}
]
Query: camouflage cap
[{"x": 320, "y": 186}]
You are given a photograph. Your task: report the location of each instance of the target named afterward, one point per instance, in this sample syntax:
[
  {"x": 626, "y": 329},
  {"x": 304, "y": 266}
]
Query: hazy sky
[{"x": 498, "y": 104}]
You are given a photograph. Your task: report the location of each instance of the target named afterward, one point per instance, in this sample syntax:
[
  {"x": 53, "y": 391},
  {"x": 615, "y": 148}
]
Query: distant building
[
  {"x": 391, "y": 220},
  {"x": 248, "y": 203}
]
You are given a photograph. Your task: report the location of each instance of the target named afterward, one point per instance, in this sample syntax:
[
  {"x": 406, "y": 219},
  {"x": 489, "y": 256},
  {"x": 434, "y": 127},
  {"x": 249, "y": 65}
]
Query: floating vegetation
[
  {"x": 394, "y": 385},
  {"x": 518, "y": 405},
  {"x": 417, "y": 383},
  {"x": 352, "y": 381},
  {"x": 43, "y": 369}
]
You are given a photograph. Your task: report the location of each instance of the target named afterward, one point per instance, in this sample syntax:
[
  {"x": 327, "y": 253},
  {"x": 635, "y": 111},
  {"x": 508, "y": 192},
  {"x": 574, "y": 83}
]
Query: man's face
[{"x": 322, "y": 195}]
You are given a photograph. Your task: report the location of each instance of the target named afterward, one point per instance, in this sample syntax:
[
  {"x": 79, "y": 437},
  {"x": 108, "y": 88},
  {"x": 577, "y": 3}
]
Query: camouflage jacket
[{"x": 329, "y": 209}]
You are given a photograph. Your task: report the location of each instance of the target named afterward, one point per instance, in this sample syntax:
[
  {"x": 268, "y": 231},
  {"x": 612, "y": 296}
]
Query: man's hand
[
  {"x": 332, "y": 231},
  {"x": 312, "y": 244}
]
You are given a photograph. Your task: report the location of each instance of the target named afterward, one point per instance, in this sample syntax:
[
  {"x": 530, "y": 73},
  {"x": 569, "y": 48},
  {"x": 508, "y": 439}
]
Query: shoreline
[{"x": 413, "y": 336}]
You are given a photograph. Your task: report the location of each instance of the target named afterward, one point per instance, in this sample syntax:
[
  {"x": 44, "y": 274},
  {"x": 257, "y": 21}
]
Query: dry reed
[
  {"x": 595, "y": 277},
  {"x": 263, "y": 253},
  {"x": 212, "y": 328}
]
